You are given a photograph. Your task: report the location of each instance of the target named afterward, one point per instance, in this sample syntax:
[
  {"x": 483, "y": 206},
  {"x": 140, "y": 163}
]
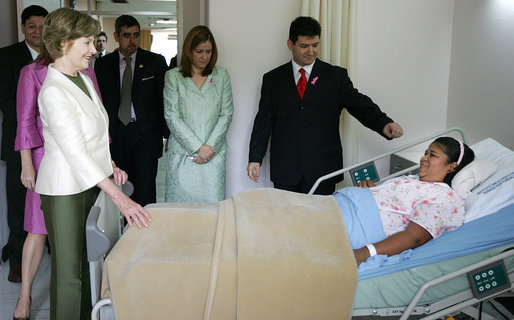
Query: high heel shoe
[{"x": 28, "y": 318}]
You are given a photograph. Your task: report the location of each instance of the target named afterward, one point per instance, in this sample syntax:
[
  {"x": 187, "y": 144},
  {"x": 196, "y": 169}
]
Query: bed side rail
[
  {"x": 459, "y": 306},
  {"x": 103, "y": 229},
  {"x": 386, "y": 154}
]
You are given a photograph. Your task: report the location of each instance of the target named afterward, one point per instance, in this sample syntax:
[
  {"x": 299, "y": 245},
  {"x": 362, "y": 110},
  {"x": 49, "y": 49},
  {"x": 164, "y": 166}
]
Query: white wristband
[{"x": 372, "y": 250}]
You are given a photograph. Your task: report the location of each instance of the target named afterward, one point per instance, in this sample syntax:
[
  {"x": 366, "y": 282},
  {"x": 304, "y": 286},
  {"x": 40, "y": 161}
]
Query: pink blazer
[{"x": 29, "y": 134}]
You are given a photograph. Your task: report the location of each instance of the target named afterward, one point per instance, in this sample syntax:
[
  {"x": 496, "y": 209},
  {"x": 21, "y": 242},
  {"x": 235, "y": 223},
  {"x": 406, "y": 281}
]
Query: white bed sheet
[{"x": 497, "y": 191}]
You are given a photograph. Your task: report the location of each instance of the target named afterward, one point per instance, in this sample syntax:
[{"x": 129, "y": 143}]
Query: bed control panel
[
  {"x": 489, "y": 279},
  {"x": 367, "y": 171}
]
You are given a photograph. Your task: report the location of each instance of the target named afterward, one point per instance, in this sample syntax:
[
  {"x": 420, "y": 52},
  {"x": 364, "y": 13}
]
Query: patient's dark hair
[{"x": 451, "y": 147}]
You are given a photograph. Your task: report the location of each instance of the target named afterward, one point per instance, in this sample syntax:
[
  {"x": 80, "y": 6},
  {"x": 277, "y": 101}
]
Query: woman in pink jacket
[{"x": 29, "y": 141}]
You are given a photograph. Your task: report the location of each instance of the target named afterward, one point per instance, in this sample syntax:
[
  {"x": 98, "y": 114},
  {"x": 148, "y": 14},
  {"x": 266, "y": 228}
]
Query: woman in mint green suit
[{"x": 198, "y": 109}]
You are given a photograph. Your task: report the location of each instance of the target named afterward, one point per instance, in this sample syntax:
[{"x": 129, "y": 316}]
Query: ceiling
[{"x": 151, "y": 14}]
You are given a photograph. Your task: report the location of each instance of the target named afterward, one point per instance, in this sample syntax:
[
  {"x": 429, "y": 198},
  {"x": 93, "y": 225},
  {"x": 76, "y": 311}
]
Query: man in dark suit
[
  {"x": 101, "y": 44},
  {"x": 101, "y": 48},
  {"x": 12, "y": 59},
  {"x": 301, "y": 102},
  {"x": 132, "y": 96}
]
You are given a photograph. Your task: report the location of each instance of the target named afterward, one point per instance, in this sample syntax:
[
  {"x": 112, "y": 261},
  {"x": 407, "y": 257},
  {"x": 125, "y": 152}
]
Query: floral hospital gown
[{"x": 432, "y": 205}]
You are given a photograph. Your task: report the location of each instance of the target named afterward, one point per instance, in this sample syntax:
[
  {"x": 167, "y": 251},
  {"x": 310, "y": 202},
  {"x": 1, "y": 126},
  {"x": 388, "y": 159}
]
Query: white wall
[
  {"x": 481, "y": 94},
  {"x": 401, "y": 60},
  {"x": 251, "y": 38},
  {"x": 8, "y": 23}
]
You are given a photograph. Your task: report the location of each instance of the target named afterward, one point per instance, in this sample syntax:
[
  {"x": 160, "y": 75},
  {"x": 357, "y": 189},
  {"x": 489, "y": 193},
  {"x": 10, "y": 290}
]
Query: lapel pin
[{"x": 141, "y": 66}]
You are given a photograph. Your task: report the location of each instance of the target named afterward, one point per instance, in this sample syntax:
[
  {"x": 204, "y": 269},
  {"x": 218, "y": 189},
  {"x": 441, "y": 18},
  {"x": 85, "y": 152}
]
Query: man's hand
[
  {"x": 393, "y": 130},
  {"x": 254, "y": 171}
]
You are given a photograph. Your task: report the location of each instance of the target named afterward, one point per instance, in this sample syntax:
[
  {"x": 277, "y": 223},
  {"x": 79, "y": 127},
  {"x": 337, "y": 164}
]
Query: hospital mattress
[{"x": 398, "y": 289}]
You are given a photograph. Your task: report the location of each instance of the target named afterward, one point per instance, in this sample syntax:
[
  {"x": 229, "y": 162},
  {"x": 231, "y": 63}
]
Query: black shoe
[
  {"x": 14, "y": 274},
  {"x": 5, "y": 254},
  {"x": 48, "y": 248},
  {"x": 14, "y": 318}
]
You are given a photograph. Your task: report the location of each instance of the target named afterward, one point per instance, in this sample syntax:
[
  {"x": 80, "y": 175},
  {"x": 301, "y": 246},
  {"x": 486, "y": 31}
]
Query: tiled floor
[{"x": 9, "y": 292}]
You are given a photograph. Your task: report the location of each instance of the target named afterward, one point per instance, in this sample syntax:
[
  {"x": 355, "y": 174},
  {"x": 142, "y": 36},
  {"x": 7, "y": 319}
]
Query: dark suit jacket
[
  {"x": 147, "y": 87},
  {"x": 12, "y": 59},
  {"x": 304, "y": 132}
]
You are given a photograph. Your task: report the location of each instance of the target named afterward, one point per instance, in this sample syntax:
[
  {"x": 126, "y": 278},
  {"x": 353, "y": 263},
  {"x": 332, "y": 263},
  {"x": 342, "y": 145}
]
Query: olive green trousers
[{"x": 65, "y": 219}]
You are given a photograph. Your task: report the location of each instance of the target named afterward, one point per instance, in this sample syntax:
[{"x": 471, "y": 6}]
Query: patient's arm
[
  {"x": 413, "y": 236},
  {"x": 365, "y": 184}
]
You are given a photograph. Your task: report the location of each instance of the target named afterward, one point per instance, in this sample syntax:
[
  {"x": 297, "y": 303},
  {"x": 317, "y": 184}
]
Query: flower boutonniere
[
  {"x": 314, "y": 80},
  {"x": 210, "y": 81}
]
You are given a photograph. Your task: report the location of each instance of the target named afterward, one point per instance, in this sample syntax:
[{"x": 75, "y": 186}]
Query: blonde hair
[{"x": 65, "y": 24}]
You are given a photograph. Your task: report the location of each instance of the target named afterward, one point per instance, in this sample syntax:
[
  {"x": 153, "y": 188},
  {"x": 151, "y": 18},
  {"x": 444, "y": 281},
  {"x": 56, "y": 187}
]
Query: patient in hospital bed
[
  {"x": 406, "y": 212},
  {"x": 268, "y": 252}
]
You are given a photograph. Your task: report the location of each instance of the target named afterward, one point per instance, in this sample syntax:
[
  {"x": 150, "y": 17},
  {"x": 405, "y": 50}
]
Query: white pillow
[
  {"x": 472, "y": 175},
  {"x": 497, "y": 191}
]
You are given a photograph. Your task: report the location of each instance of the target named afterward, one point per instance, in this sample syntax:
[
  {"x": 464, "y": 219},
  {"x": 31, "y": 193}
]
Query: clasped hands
[{"x": 205, "y": 154}]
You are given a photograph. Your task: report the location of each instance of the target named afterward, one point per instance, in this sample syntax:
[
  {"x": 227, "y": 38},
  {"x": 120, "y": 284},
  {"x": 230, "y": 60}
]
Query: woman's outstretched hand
[{"x": 133, "y": 212}]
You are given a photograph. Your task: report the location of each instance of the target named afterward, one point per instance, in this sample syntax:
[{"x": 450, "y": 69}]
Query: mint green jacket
[{"x": 196, "y": 117}]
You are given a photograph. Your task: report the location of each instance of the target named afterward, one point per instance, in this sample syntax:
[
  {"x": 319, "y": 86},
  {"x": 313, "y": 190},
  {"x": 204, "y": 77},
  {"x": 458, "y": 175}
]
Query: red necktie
[{"x": 302, "y": 83}]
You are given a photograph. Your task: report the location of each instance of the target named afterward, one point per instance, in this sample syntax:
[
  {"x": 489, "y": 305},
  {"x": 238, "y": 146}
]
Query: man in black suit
[
  {"x": 137, "y": 132},
  {"x": 12, "y": 59},
  {"x": 101, "y": 44},
  {"x": 301, "y": 102},
  {"x": 101, "y": 48}
]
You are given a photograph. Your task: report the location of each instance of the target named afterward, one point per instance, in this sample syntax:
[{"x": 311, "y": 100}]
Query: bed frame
[
  {"x": 103, "y": 229},
  {"x": 464, "y": 301}
]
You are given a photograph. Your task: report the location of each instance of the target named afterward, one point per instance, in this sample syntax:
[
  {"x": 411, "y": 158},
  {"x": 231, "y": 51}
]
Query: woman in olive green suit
[
  {"x": 77, "y": 162},
  {"x": 198, "y": 109}
]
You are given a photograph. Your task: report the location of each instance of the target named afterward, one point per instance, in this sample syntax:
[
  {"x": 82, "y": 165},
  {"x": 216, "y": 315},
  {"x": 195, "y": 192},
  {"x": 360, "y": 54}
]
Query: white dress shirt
[
  {"x": 296, "y": 70},
  {"x": 33, "y": 52}
]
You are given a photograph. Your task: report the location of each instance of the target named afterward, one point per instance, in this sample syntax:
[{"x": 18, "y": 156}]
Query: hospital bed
[
  {"x": 434, "y": 281},
  {"x": 427, "y": 285}
]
